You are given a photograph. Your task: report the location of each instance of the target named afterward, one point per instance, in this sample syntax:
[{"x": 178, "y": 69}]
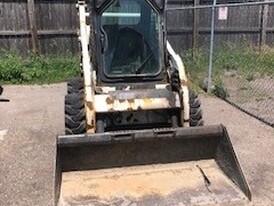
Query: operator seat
[{"x": 130, "y": 48}]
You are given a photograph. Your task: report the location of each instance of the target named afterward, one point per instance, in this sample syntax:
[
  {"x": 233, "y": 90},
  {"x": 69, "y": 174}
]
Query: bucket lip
[{"x": 140, "y": 135}]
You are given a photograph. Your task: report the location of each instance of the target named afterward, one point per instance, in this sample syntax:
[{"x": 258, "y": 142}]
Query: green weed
[
  {"x": 219, "y": 90},
  {"x": 35, "y": 69},
  {"x": 245, "y": 61}
]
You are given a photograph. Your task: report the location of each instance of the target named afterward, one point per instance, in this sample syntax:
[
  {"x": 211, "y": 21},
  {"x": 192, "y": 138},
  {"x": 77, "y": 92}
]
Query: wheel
[
  {"x": 75, "y": 116},
  {"x": 75, "y": 85},
  {"x": 196, "y": 113}
]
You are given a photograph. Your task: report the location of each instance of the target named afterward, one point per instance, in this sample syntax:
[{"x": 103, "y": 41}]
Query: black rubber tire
[
  {"x": 75, "y": 116},
  {"x": 75, "y": 85},
  {"x": 196, "y": 113}
]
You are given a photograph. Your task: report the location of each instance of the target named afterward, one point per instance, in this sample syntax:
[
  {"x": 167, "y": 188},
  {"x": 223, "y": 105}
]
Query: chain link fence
[{"x": 230, "y": 53}]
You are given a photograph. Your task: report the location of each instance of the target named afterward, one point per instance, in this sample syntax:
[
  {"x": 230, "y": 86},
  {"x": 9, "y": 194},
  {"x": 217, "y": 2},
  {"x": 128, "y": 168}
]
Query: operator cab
[{"x": 131, "y": 40}]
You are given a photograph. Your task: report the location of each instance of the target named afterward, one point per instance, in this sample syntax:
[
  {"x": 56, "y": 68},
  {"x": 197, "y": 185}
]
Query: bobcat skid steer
[{"x": 134, "y": 131}]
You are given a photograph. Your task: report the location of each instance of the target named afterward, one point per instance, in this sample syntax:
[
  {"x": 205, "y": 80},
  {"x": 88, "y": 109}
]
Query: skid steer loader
[{"x": 134, "y": 131}]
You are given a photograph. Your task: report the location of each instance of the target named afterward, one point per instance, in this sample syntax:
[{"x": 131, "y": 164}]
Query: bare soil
[
  {"x": 34, "y": 116},
  {"x": 253, "y": 95}
]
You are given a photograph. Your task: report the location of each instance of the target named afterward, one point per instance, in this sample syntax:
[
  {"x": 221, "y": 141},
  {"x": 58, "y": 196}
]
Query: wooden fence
[
  {"x": 243, "y": 25},
  {"x": 50, "y": 26}
]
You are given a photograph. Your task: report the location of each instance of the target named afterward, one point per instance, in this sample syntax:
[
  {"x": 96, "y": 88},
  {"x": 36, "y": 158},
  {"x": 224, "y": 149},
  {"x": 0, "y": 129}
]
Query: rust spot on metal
[
  {"x": 131, "y": 104},
  {"x": 89, "y": 105},
  {"x": 183, "y": 82},
  {"x": 147, "y": 102},
  {"x": 90, "y": 129},
  {"x": 90, "y": 117},
  {"x": 109, "y": 100},
  {"x": 122, "y": 100}
]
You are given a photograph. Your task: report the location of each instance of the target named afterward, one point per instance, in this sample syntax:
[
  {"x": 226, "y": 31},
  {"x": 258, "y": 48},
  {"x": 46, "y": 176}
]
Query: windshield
[{"x": 131, "y": 38}]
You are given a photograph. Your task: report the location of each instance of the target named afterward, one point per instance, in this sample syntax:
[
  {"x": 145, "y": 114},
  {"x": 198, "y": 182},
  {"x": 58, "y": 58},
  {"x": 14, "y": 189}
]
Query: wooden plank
[
  {"x": 40, "y": 33},
  {"x": 33, "y": 27},
  {"x": 195, "y": 34},
  {"x": 264, "y": 24},
  {"x": 228, "y": 30},
  {"x": 73, "y": 32}
]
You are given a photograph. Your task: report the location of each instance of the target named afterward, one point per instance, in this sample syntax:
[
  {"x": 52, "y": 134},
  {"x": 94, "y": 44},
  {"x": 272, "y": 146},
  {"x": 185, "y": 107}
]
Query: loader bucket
[{"x": 175, "y": 166}]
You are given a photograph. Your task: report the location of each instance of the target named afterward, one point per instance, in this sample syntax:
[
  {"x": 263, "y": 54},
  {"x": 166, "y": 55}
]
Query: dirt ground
[
  {"x": 31, "y": 120},
  {"x": 256, "y": 96}
]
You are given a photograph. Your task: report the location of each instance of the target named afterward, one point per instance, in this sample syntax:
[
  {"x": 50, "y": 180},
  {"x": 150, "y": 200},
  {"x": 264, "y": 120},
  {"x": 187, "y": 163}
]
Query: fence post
[
  {"x": 211, "y": 46},
  {"x": 33, "y": 26},
  {"x": 195, "y": 27},
  {"x": 264, "y": 20}
]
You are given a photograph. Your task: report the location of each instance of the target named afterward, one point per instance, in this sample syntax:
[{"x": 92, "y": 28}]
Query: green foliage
[
  {"x": 245, "y": 60},
  {"x": 250, "y": 77},
  {"x": 219, "y": 90},
  {"x": 229, "y": 60},
  {"x": 35, "y": 69},
  {"x": 196, "y": 64}
]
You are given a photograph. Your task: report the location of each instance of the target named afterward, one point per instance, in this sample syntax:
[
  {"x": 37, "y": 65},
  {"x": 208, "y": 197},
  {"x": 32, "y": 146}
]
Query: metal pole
[{"x": 211, "y": 46}]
